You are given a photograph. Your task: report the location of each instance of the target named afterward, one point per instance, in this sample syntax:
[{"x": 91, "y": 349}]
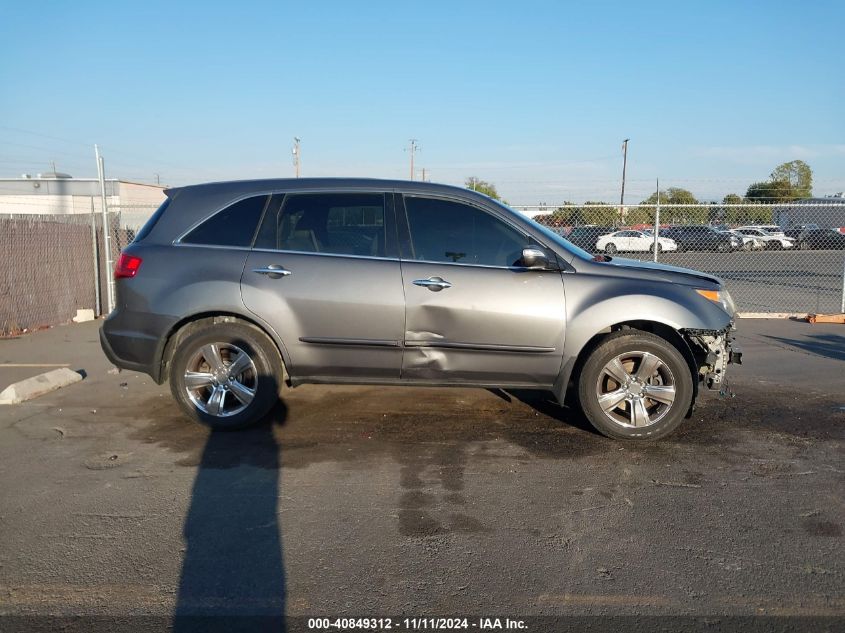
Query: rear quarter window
[{"x": 233, "y": 226}]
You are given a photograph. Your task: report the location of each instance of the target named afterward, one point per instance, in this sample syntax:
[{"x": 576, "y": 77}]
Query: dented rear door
[{"x": 474, "y": 316}]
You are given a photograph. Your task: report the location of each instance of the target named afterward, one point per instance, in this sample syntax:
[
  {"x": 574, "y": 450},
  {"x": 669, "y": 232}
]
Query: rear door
[
  {"x": 324, "y": 274},
  {"x": 626, "y": 241},
  {"x": 472, "y": 313}
]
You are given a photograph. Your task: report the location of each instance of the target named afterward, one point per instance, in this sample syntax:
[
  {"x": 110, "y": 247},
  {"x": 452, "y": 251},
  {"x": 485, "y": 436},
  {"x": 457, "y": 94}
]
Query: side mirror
[{"x": 534, "y": 259}]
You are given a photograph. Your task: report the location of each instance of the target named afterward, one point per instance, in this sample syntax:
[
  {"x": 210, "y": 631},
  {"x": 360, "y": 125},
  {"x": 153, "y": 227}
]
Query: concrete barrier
[{"x": 38, "y": 385}]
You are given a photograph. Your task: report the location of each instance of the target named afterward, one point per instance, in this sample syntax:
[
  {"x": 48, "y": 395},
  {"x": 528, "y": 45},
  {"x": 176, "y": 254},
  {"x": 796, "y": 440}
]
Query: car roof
[
  {"x": 193, "y": 203},
  {"x": 293, "y": 184}
]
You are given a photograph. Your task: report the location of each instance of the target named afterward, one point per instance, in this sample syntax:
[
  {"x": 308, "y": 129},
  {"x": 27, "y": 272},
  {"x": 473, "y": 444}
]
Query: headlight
[{"x": 722, "y": 297}]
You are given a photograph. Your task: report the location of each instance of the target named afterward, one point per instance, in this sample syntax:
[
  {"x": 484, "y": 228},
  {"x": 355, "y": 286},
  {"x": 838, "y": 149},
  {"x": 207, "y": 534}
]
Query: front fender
[{"x": 594, "y": 308}]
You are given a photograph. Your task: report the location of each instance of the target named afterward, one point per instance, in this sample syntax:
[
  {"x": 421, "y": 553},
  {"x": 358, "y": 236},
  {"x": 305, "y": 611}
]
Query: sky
[{"x": 535, "y": 97}]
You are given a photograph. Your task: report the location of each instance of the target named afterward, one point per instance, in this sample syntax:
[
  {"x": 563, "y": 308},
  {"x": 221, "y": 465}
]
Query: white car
[
  {"x": 633, "y": 241},
  {"x": 748, "y": 243},
  {"x": 771, "y": 229},
  {"x": 770, "y": 240}
]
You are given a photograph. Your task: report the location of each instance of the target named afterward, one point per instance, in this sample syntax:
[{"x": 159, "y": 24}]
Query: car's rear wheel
[
  {"x": 804, "y": 245},
  {"x": 747, "y": 246},
  {"x": 659, "y": 248},
  {"x": 635, "y": 386},
  {"x": 610, "y": 248},
  {"x": 226, "y": 376}
]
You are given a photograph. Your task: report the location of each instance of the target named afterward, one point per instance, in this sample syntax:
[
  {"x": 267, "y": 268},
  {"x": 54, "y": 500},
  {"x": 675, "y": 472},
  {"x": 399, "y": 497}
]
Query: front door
[
  {"x": 472, "y": 313},
  {"x": 324, "y": 274}
]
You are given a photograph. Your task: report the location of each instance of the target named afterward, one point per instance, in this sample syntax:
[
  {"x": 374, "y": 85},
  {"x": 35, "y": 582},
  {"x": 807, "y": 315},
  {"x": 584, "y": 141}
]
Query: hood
[{"x": 658, "y": 272}]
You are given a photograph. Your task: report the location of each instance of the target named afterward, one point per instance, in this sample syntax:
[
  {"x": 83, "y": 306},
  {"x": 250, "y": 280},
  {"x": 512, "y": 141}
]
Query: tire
[
  {"x": 747, "y": 246},
  {"x": 610, "y": 248},
  {"x": 659, "y": 248},
  {"x": 804, "y": 245},
  {"x": 631, "y": 349},
  {"x": 233, "y": 407},
  {"x": 721, "y": 247}
]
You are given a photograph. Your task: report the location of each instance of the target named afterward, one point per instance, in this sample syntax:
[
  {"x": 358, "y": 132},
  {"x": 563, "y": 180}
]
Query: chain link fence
[
  {"x": 773, "y": 258},
  {"x": 52, "y": 265}
]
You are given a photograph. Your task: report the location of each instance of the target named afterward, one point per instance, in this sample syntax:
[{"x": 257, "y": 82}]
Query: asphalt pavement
[
  {"x": 772, "y": 281},
  {"x": 419, "y": 502}
]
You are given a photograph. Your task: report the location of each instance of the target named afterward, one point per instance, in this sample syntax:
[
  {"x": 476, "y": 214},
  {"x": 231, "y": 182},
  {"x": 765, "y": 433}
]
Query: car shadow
[
  {"x": 545, "y": 403},
  {"x": 827, "y": 345},
  {"x": 233, "y": 576}
]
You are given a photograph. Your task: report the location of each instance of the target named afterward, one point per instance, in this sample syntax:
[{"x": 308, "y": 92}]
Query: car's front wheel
[
  {"x": 226, "y": 376},
  {"x": 635, "y": 385},
  {"x": 610, "y": 248}
]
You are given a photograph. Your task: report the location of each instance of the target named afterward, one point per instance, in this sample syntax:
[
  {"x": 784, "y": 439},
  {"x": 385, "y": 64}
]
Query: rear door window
[
  {"x": 233, "y": 226},
  {"x": 331, "y": 223}
]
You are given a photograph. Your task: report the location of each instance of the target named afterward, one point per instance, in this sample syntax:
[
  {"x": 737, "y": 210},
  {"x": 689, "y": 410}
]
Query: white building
[{"x": 56, "y": 193}]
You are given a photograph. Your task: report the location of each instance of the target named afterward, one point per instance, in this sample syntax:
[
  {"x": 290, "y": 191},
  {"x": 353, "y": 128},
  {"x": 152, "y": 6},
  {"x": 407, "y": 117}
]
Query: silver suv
[{"x": 233, "y": 289}]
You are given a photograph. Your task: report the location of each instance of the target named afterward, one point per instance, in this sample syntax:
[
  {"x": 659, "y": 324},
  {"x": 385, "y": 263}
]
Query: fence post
[
  {"x": 98, "y": 310},
  {"x": 842, "y": 305},
  {"x": 657, "y": 223},
  {"x": 106, "y": 242}
]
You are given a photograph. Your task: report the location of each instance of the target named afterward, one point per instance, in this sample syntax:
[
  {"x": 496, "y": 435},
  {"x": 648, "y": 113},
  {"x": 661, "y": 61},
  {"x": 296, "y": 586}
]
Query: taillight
[{"x": 127, "y": 266}]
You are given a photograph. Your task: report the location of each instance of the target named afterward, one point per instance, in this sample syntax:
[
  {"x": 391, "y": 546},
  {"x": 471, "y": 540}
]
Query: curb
[
  {"x": 771, "y": 315},
  {"x": 38, "y": 385}
]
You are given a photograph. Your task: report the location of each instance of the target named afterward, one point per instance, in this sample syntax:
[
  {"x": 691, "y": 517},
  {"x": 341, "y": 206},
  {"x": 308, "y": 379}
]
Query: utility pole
[
  {"x": 624, "y": 167},
  {"x": 296, "y": 154},
  {"x": 158, "y": 178},
  {"x": 413, "y": 149},
  {"x": 423, "y": 174}
]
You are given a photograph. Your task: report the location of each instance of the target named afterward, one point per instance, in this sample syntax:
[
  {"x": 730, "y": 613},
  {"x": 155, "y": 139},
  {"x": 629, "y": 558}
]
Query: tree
[
  {"x": 571, "y": 214},
  {"x": 770, "y": 191},
  {"x": 673, "y": 195},
  {"x": 799, "y": 176},
  {"x": 482, "y": 186},
  {"x": 789, "y": 181},
  {"x": 732, "y": 198}
]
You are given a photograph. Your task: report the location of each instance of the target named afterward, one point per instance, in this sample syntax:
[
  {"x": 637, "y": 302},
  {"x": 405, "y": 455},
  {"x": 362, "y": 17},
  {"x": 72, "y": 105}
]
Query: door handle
[
  {"x": 273, "y": 271},
  {"x": 435, "y": 284}
]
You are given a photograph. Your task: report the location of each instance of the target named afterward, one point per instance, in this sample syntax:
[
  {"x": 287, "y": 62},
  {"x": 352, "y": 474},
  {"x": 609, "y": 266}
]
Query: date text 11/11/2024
[{"x": 415, "y": 624}]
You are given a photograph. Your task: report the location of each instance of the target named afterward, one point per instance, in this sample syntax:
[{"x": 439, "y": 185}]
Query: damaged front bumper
[{"x": 714, "y": 350}]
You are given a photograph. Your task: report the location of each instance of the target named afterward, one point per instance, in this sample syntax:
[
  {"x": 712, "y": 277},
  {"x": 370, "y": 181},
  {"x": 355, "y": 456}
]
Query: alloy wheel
[
  {"x": 635, "y": 389},
  {"x": 221, "y": 379}
]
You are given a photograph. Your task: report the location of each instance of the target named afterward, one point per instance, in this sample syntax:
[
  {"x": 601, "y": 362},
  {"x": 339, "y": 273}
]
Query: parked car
[
  {"x": 633, "y": 241},
  {"x": 586, "y": 236},
  {"x": 821, "y": 239},
  {"x": 796, "y": 231},
  {"x": 747, "y": 242},
  {"x": 233, "y": 288},
  {"x": 771, "y": 229},
  {"x": 699, "y": 237},
  {"x": 770, "y": 240}
]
